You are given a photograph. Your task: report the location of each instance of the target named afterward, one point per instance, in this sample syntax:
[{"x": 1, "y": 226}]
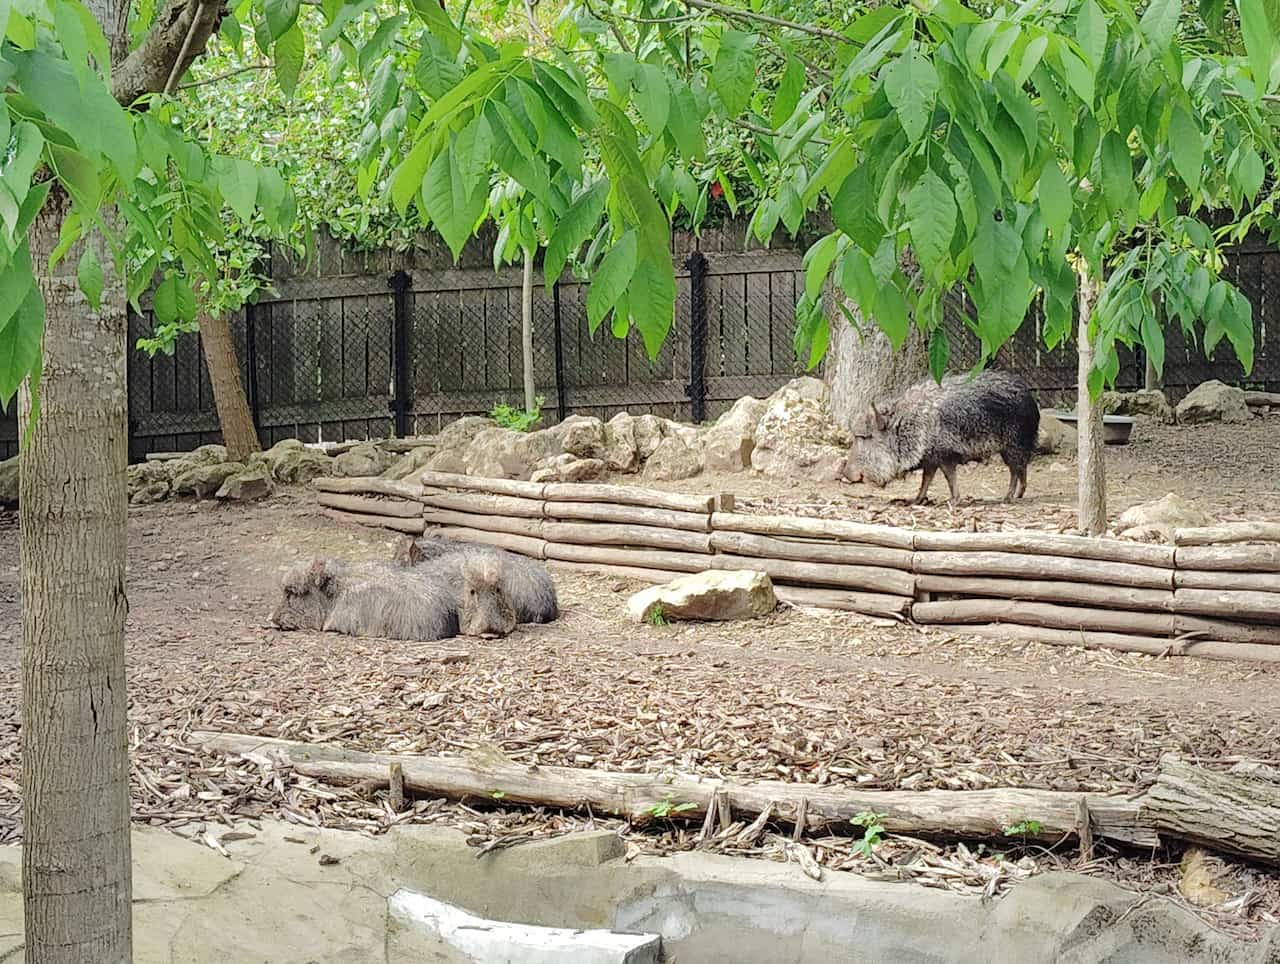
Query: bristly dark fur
[
  {"x": 931, "y": 426},
  {"x": 525, "y": 585}
]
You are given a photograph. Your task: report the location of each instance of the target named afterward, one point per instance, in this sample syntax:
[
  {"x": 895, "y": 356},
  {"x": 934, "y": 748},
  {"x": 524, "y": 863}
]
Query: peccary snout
[
  {"x": 306, "y": 596},
  {"x": 485, "y": 610}
]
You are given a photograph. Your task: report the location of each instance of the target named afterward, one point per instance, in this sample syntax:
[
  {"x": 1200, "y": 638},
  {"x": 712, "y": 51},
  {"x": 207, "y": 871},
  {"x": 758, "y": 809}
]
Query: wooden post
[{"x": 1092, "y": 494}]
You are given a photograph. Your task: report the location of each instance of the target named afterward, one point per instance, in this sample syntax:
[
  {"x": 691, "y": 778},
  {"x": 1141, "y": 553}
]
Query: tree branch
[
  {"x": 749, "y": 15},
  {"x": 178, "y": 36},
  {"x": 217, "y": 78}
]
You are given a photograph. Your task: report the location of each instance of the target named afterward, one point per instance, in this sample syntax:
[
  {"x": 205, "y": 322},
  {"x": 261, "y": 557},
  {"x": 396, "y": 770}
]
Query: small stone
[
  {"x": 1145, "y": 401},
  {"x": 246, "y": 486},
  {"x": 328, "y": 860},
  {"x": 711, "y": 595}
]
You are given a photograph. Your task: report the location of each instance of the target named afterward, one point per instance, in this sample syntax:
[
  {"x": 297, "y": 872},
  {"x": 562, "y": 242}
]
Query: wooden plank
[
  {"x": 365, "y": 505},
  {"x": 476, "y": 483},
  {"x": 1251, "y": 581},
  {"x": 1229, "y": 604},
  {"x": 1118, "y": 597},
  {"x": 1023, "y": 613},
  {"x": 531, "y": 528},
  {"x": 478, "y": 504},
  {"x": 1048, "y": 544},
  {"x": 627, "y": 515},
  {"x": 825, "y": 529},
  {"x": 757, "y": 322},
  {"x": 783, "y": 296},
  {"x": 354, "y": 382},
  {"x": 522, "y": 545},
  {"x": 1052, "y": 568},
  {"x": 495, "y": 346},
  {"x": 846, "y": 553},
  {"x": 738, "y": 262},
  {"x": 733, "y": 324},
  {"x": 1151, "y": 646},
  {"x": 1227, "y": 630},
  {"x": 637, "y": 573},
  {"x": 1227, "y": 533},
  {"x": 626, "y": 495},
  {"x": 1230, "y": 558},
  {"x": 609, "y": 534},
  {"x": 424, "y": 359},
  {"x": 875, "y": 578},
  {"x": 666, "y": 560},
  {"x": 451, "y": 334},
  {"x": 375, "y": 486},
  {"x": 843, "y": 600},
  {"x": 408, "y": 526}
]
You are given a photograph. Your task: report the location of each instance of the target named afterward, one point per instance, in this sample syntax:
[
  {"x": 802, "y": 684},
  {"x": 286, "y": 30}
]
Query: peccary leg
[
  {"x": 949, "y": 471},
  {"x": 926, "y": 476},
  {"x": 1013, "y": 484}
]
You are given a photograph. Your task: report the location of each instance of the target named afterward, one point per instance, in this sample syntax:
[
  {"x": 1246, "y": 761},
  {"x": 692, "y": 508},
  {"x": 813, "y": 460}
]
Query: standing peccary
[
  {"x": 931, "y": 426},
  {"x": 490, "y": 582},
  {"x": 367, "y": 599}
]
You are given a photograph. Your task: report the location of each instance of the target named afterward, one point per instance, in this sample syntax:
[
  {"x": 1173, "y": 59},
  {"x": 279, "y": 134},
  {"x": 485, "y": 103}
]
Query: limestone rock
[
  {"x": 1145, "y": 401},
  {"x": 498, "y": 453},
  {"x": 1213, "y": 402},
  {"x": 1054, "y": 437},
  {"x": 411, "y": 463},
  {"x": 711, "y": 595},
  {"x": 1155, "y": 521},
  {"x": 648, "y": 434},
  {"x": 672, "y": 460},
  {"x": 810, "y": 388},
  {"x": 247, "y": 486},
  {"x": 568, "y": 468},
  {"x": 9, "y": 482},
  {"x": 362, "y": 461},
  {"x": 459, "y": 433},
  {"x": 731, "y": 440},
  {"x": 208, "y": 454},
  {"x": 797, "y": 438},
  {"x": 582, "y": 436},
  {"x": 621, "y": 452},
  {"x": 291, "y": 462},
  {"x": 203, "y": 481},
  {"x": 149, "y": 492},
  {"x": 447, "y": 460}
]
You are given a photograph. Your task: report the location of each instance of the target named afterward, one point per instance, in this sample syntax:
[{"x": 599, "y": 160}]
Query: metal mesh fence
[{"x": 371, "y": 355}]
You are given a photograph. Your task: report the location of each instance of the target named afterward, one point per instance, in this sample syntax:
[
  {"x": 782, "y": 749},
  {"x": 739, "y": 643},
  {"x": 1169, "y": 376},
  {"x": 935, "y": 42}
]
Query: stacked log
[{"x": 1214, "y": 592}]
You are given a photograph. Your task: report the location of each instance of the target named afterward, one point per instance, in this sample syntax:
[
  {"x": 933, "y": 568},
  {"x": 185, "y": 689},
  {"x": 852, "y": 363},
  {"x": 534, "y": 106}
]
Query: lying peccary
[
  {"x": 367, "y": 599},
  {"x": 494, "y": 587},
  {"x": 931, "y": 426}
]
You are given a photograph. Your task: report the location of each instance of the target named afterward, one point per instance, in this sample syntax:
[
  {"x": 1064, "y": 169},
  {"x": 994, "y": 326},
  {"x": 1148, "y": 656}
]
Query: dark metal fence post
[
  {"x": 697, "y": 387},
  {"x": 559, "y": 346},
  {"x": 251, "y": 362},
  {"x": 400, "y": 351}
]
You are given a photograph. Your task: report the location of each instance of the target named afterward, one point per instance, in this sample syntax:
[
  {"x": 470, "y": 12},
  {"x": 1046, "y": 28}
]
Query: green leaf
[
  {"x": 174, "y": 300},
  {"x": 651, "y": 296},
  {"x": 406, "y": 179},
  {"x": 16, "y": 280},
  {"x": 1117, "y": 173},
  {"x": 1153, "y": 341},
  {"x": 1259, "y": 42},
  {"x": 281, "y": 15},
  {"x": 20, "y": 345},
  {"x": 891, "y": 315},
  {"x": 442, "y": 27},
  {"x": 435, "y": 70},
  {"x": 733, "y": 76},
  {"x": 78, "y": 174},
  {"x": 1186, "y": 146},
  {"x": 1079, "y": 77},
  {"x": 453, "y": 204},
  {"x": 931, "y": 213},
  {"x": 1091, "y": 33},
  {"x": 653, "y": 96},
  {"x": 1250, "y": 173},
  {"x": 685, "y": 124},
  {"x": 1055, "y": 199},
  {"x": 1159, "y": 23},
  {"x": 19, "y": 169},
  {"x": 817, "y": 261},
  {"x": 1000, "y": 48},
  {"x": 854, "y": 209},
  {"x": 857, "y": 280},
  {"x": 1238, "y": 321},
  {"x": 577, "y": 225},
  {"x": 939, "y": 349},
  {"x": 89, "y": 274},
  {"x": 790, "y": 87},
  {"x": 1030, "y": 59},
  {"x": 611, "y": 279},
  {"x": 290, "y": 52},
  {"x": 620, "y": 71},
  {"x": 911, "y": 85},
  {"x": 238, "y": 183},
  {"x": 230, "y": 31}
]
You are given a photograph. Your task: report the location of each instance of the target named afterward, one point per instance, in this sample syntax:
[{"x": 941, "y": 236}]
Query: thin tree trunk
[
  {"x": 1151, "y": 379},
  {"x": 861, "y": 366},
  {"x": 236, "y": 421},
  {"x": 73, "y": 504},
  {"x": 526, "y": 329},
  {"x": 1092, "y": 495}
]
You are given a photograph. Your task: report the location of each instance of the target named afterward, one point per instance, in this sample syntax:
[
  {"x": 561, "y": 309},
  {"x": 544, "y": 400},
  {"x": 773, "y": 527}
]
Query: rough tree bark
[
  {"x": 861, "y": 366},
  {"x": 526, "y": 330},
  {"x": 1092, "y": 494},
  {"x": 236, "y": 421},
  {"x": 73, "y": 505}
]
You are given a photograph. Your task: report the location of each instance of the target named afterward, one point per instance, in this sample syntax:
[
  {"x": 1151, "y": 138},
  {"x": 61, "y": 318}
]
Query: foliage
[
  {"x": 517, "y": 419},
  {"x": 667, "y": 807},
  {"x": 1022, "y": 828},
  {"x": 872, "y": 831},
  {"x": 656, "y": 616}
]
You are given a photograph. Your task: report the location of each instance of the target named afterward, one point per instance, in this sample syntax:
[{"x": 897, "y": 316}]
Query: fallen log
[
  {"x": 1229, "y": 558},
  {"x": 485, "y": 523},
  {"x": 522, "y": 545},
  {"x": 943, "y": 813},
  {"x": 1054, "y": 568},
  {"x": 784, "y": 525},
  {"x": 682, "y": 562},
  {"x": 1122, "y": 642},
  {"x": 402, "y": 508},
  {"x": 876, "y": 579},
  {"x": 371, "y": 486},
  {"x": 479, "y": 504},
  {"x": 1046, "y": 544},
  {"x": 627, "y": 495},
  {"x": 613, "y": 534},
  {"x": 1250, "y": 581},
  {"x": 411, "y": 527},
  {"x": 1233, "y": 813},
  {"x": 1088, "y": 594},
  {"x": 1226, "y": 533},
  {"x": 865, "y": 603},
  {"x": 475, "y": 483},
  {"x": 1228, "y": 604},
  {"x": 1226, "y": 630},
  {"x": 637, "y": 573},
  {"x": 628, "y": 515},
  {"x": 845, "y": 553},
  {"x": 1255, "y": 399},
  {"x": 966, "y": 611}
]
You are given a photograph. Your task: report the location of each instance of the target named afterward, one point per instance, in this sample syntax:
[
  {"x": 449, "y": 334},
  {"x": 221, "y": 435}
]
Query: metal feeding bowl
[{"x": 1116, "y": 429}]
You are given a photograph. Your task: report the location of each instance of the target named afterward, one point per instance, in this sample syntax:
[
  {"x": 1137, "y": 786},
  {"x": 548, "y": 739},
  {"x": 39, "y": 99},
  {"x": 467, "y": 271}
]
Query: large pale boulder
[
  {"x": 247, "y": 486},
  {"x": 499, "y": 453},
  {"x": 293, "y": 463},
  {"x": 459, "y": 433},
  {"x": 208, "y": 454},
  {"x": 1145, "y": 401},
  {"x": 648, "y": 434},
  {"x": 797, "y": 438},
  {"x": 581, "y": 435},
  {"x": 672, "y": 460},
  {"x": 364, "y": 460},
  {"x": 203, "y": 481},
  {"x": 728, "y": 443},
  {"x": 711, "y": 595},
  {"x": 1213, "y": 402},
  {"x": 9, "y": 481},
  {"x": 621, "y": 452},
  {"x": 148, "y": 482},
  {"x": 1156, "y": 521},
  {"x": 411, "y": 463},
  {"x": 1054, "y": 437}
]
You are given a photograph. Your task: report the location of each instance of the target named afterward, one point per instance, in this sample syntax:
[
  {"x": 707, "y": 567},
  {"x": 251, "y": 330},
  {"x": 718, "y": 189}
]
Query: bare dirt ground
[{"x": 801, "y": 696}]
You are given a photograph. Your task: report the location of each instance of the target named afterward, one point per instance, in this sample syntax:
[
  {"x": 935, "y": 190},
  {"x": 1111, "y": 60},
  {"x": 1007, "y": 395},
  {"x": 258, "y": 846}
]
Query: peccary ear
[
  {"x": 879, "y": 420},
  {"x": 318, "y": 575}
]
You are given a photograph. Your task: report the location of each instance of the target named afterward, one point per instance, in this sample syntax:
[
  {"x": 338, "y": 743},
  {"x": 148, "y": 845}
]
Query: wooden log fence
[{"x": 1215, "y": 592}]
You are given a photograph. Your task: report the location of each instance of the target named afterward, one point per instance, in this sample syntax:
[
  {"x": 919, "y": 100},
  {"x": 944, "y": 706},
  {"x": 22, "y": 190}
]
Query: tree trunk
[
  {"x": 1151, "y": 380},
  {"x": 73, "y": 505},
  {"x": 526, "y": 329},
  {"x": 236, "y": 421},
  {"x": 1092, "y": 494},
  {"x": 861, "y": 366}
]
